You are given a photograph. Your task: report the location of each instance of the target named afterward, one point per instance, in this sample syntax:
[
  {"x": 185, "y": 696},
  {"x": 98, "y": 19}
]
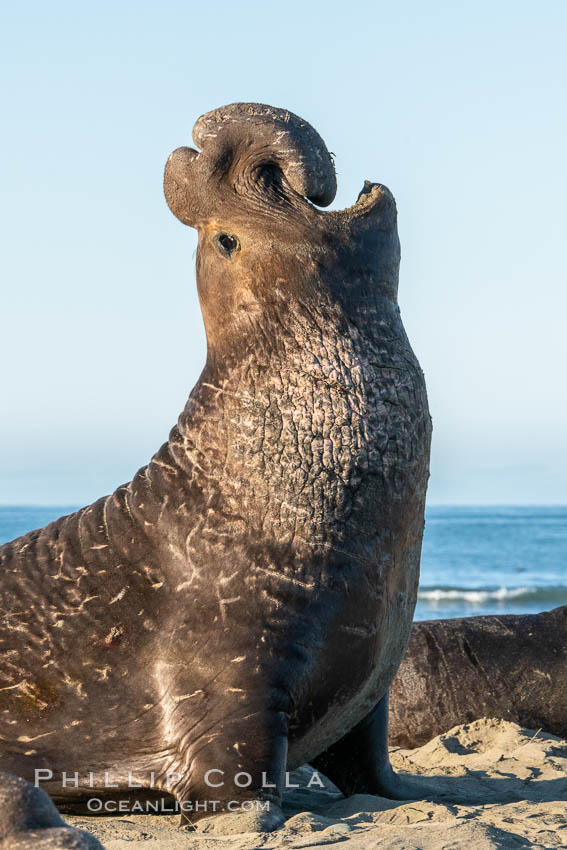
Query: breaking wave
[{"x": 480, "y": 595}]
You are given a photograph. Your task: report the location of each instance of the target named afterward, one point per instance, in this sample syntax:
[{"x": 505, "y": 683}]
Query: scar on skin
[
  {"x": 118, "y": 596},
  {"x": 26, "y": 739},
  {"x": 183, "y": 697}
]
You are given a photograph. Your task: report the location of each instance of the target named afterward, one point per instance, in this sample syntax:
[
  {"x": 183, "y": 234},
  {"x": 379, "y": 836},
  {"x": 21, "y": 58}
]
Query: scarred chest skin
[{"x": 265, "y": 562}]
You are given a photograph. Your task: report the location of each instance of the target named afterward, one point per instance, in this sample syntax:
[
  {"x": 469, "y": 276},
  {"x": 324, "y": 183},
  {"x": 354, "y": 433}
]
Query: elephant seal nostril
[{"x": 227, "y": 244}]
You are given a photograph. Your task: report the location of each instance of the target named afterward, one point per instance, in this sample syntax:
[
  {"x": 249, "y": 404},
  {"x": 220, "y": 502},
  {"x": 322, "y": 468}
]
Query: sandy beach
[{"x": 496, "y": 785}]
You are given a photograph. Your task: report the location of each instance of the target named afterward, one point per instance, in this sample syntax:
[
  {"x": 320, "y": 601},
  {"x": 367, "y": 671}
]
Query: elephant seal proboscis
[{"x": 244, "y": 602}]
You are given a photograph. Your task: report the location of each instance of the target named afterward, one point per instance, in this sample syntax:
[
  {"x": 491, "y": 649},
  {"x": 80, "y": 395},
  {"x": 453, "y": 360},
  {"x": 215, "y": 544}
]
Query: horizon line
[{"x": 435, "y": 504}]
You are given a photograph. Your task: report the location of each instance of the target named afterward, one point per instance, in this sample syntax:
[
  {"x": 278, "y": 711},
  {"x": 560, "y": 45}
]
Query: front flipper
[
  {"x": 360, "y": 763},
  {"x": 256, "y": 819},
  {"x": 237, "y": 777}
]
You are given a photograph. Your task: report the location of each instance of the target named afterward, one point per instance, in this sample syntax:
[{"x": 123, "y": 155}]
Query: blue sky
[{"x": 458, "y": 107}]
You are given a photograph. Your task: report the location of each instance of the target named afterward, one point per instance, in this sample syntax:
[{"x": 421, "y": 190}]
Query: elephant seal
[
  {"x": 30, "y": 821},
  {"x": 245, "y": 601},
  {"x": 456, "y": 671}
]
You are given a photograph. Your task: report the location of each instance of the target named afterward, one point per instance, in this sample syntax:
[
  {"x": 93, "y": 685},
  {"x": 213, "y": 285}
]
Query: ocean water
[{"x": 491, "y": 560}]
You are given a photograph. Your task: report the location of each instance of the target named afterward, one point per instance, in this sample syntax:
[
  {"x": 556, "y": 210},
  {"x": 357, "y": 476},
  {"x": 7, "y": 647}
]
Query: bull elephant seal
[
  {"x": 455, "y": 671},
  {"x": 30, "y": 821},
  {"x": 245, "y": 601}
]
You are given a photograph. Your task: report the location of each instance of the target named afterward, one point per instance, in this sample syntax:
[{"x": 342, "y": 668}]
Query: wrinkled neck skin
[
  {"x": 319, "y": 328},
  {"x": 306, "y": 381},
  {"x": 309, "y": 423}
]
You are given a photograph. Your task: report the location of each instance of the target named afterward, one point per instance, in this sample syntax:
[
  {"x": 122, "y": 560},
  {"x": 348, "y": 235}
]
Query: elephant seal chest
[{"x": 318, "y": 479}]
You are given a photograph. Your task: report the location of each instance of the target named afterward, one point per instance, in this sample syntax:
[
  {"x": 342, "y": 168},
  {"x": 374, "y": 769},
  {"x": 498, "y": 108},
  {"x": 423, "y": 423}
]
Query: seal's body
[
  {"x": 30, "y": 821},
  {"x": 252, "y": 589},
  {"x": 508, "y": 666}
]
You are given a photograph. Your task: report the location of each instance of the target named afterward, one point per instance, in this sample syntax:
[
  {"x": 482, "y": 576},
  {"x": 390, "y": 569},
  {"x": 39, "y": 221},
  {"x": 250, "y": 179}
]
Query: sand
[{"x": 493, "y": 785}]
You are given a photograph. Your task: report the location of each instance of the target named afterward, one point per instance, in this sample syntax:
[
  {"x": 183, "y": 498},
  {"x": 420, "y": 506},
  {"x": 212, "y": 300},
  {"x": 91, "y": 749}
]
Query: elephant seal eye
[{"x": 227, "y": 244}]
